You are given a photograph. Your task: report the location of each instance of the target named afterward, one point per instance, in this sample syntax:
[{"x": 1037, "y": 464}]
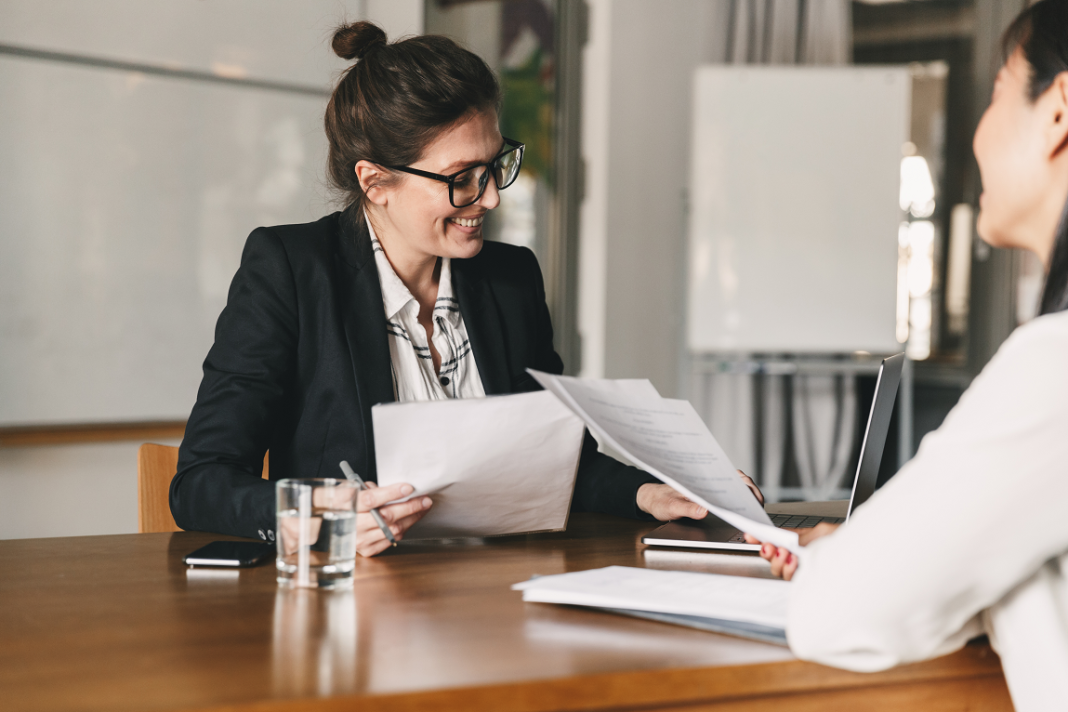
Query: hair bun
[{"x": 354, "y": 40}]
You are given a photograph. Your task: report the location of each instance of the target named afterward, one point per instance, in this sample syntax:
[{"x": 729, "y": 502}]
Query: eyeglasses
[{"x": 468, "y": 185}]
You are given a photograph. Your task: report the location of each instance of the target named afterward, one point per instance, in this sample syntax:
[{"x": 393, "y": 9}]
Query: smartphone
[{"x": 240, "y": 554}]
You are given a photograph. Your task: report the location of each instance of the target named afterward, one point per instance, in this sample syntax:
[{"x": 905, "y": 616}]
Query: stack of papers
[
  {"x": 747, "y": 607},
  {"x": 667, "y": 439}
]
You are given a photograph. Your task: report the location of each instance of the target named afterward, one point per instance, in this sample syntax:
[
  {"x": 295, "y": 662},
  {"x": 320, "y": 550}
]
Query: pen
[{"x": 351, "y": 475}]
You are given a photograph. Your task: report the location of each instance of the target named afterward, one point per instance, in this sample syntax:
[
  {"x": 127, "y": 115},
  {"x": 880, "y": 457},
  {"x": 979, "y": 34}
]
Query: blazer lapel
[
  {"x": 365, "y": 327},
  {"x": 483, "y": 321}
]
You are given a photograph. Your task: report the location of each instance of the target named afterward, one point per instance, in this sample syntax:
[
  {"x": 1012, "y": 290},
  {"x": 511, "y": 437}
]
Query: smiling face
[
  {"x": 1019, "y": 148},
  {"x": 412, "y": 215}
]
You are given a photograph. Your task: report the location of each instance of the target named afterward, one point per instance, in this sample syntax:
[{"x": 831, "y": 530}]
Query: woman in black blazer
[{"x": 301, "y": 351}]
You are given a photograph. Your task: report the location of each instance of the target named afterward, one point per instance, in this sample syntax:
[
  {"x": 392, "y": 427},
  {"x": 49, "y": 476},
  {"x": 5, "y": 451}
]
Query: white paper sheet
[
  {"x": 493, "y": 466},
  {"x": 733, "y": 598},
  {"x": 637, "y": 387},
  {"x": 667, "y": 439}
]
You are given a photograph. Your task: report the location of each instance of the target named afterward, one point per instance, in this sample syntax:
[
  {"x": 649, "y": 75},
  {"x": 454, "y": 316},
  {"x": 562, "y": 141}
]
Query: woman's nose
[{"x": 491, "y": 197}]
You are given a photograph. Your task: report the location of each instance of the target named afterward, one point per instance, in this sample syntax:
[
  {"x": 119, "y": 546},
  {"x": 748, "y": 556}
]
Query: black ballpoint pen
[{"x": 351, "y": 475}]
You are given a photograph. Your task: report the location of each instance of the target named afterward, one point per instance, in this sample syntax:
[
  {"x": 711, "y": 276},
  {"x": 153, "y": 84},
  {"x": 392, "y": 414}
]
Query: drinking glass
[{"x": 316, "y": 533}]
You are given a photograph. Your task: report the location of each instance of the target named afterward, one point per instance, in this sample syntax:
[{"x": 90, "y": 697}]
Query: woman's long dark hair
[{"x": 1041, "y": 33}]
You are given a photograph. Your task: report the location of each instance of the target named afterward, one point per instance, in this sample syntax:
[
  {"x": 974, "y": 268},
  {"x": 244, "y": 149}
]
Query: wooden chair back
[{"x": 156, "y": 467}]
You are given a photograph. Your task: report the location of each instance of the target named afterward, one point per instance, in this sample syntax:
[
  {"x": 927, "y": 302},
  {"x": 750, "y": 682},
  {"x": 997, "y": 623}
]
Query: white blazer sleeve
[{"x": 982, "y": 506}]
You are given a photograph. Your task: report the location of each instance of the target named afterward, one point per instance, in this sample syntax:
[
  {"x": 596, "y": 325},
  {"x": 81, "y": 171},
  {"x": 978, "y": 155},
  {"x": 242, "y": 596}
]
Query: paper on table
[
  {"x": 493, "y": 466},
  {"x": 733, "y": 598},
  {"x": 667, "y": 439}
]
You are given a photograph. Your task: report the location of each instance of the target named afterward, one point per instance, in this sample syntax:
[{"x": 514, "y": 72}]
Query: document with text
[{"x": 667, "y": 439}]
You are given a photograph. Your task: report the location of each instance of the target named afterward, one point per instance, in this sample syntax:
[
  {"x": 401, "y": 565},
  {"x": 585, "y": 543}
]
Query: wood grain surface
[{"x": 119, "y": 623}]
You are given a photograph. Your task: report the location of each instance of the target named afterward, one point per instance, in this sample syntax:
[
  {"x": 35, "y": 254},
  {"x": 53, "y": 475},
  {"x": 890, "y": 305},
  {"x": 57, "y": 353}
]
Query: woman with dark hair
[
  {"x": 971, "y": 536},
  {"x": 394, "y": 298}
]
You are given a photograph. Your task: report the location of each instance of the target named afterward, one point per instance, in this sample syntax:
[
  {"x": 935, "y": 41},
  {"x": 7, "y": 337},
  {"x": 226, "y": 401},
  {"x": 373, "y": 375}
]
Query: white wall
[
  {"x": 266, "y": 39},
  {"x": 91, "y": 489},
  {"x": 593, "y": 213},
  {"x": 637, "y": 114},
  {"x": 69, "y": 490}
]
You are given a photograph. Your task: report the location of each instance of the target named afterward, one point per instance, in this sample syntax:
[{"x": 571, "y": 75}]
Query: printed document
[
  {"x": 493, "y": 466},
  {"x": 667, "y": 439},
  {"x": 752, "y": 607}
]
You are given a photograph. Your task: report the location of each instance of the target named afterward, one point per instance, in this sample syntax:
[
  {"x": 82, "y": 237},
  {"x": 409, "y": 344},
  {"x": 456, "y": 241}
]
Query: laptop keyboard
[{"x": 791, "y": 521}]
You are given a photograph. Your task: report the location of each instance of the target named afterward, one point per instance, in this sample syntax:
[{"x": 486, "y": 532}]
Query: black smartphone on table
[{"x": 235, "y": 554}]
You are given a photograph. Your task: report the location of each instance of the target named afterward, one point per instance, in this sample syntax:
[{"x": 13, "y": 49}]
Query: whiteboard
[
  {"x": 126, "y": 197},
  {"x": 794, "y": 216},
  {"x": 125, "y": 201}
]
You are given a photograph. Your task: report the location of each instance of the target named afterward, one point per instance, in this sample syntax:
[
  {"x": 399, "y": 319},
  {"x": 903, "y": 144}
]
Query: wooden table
[{"x": 118, "y": 623}]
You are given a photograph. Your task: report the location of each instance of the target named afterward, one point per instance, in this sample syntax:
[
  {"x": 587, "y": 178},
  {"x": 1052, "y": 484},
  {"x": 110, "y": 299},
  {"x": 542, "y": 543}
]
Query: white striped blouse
[{"x": 414, "y": 378}]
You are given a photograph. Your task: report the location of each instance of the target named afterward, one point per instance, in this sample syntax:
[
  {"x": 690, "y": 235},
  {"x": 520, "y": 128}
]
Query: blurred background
[{"x": 748, "y": 202}]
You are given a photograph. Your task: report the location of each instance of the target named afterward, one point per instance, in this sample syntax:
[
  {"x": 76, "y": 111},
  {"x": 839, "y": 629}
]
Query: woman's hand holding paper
[
  {"x": 400, "y": 517},
  {"x": 783, "y": 563},
  {"x": 664, "y": 503}
]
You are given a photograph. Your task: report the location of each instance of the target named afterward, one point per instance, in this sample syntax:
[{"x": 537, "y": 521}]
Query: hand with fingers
[
  {"x": 664, "y": 503},
  {"x": 370, "y": 540},
  {"x": 783, "y": 562}
]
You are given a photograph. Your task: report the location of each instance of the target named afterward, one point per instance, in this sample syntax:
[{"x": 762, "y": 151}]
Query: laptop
[{"x": 713, "y": 533}]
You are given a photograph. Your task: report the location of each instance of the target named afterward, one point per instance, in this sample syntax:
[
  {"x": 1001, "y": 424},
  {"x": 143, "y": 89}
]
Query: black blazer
[{"x": 301, "y": 355}]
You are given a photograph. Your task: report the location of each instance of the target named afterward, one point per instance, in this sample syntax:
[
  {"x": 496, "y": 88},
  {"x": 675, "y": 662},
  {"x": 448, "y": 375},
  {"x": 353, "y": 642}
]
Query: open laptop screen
[{"x": 871, "y": 447}]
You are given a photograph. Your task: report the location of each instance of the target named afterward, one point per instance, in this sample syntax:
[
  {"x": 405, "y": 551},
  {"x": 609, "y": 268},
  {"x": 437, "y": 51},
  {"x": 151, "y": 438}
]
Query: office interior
[{"x": 142, "y": 142}]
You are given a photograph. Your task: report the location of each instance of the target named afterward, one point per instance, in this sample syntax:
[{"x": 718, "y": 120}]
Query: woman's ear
[
  {"x": 372, "y": 178},
  {"x": 1057, "y": 128}
]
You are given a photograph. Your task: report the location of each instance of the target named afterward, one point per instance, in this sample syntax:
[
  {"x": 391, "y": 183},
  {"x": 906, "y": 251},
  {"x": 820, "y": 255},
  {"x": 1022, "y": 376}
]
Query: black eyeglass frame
[{"x": 483, "y": 182}]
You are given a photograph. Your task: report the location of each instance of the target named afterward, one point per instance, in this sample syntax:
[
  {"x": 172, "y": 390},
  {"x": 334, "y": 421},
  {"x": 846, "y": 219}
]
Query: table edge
[{"x": 641, "y": 688}]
